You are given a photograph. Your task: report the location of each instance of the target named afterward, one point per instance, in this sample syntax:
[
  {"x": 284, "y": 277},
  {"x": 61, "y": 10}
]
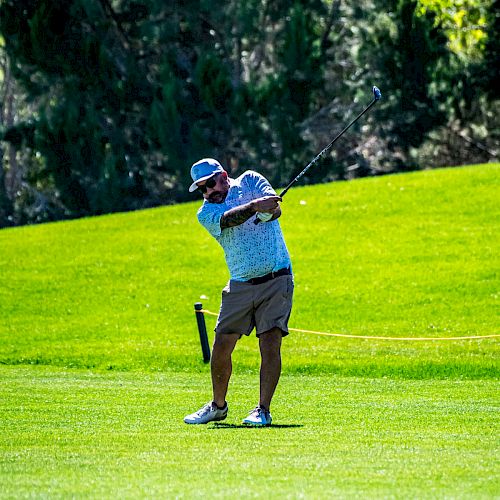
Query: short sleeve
[
  {"x": 209, "y": 216},
  {"x": 259, "y": 185}
]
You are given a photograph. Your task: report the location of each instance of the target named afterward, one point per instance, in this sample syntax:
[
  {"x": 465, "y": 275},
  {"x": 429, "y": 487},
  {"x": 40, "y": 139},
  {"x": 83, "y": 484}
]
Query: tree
[
  {"x": 13, "y": 185},
  {"x": 282, "y": 99},
  {"x": 470, "y": 133},
  {"x": 407, "y": 51},
  {"x": 6, "y": 109},
  {"x": 125, "y": 95},
  {"x": 129, "y": 93}
]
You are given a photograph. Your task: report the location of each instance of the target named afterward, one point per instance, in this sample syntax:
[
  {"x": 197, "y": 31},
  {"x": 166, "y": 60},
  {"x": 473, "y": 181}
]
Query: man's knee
[
  {"x": 271, "y": 339},
  {"x": 225, "y": 342}
]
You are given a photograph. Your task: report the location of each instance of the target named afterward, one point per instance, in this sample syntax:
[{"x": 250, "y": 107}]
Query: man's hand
[
  {"x": 266, "y": 204},
  {"x": 238, "y": 215},
  {"x": 266, "y": 215}
]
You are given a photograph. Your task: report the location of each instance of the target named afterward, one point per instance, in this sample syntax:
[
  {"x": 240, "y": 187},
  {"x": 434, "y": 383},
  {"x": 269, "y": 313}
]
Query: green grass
[
  {"x": 403, "y": 255},
  {"x": 104, "y": 308},
  {"x": 77, "y": 434}
]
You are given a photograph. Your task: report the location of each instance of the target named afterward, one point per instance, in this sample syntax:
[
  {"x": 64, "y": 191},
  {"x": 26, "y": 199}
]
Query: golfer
[{"x": 259, "y": 292}]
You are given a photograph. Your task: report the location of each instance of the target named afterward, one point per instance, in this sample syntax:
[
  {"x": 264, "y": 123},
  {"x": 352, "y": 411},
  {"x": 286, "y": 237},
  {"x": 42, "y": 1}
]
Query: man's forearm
[{"x": 237, "y": 215}]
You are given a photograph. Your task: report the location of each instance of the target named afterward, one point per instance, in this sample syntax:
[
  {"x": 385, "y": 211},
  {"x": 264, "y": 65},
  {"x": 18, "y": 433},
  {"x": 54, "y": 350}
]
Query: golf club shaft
[
  {"x": 326, "y": 148},
  {"x": 376, "y": 97}
]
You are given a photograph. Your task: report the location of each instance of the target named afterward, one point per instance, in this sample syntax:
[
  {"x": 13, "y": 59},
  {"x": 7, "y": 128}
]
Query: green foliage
[
  {"x": 407, "y": 51},
  {"x": 487, "y": 74},
  {"x": 284, "y": 97},
  {"x": 214, "y": 85},
  {"x": 123, "y": 96},
  {"x": 464, "y": 22},
  {"x": 113, "y": 111}
]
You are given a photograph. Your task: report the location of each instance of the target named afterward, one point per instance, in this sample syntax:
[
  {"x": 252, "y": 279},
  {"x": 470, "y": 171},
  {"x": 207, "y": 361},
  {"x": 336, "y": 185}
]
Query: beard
[{"x": 217, "y": 197}]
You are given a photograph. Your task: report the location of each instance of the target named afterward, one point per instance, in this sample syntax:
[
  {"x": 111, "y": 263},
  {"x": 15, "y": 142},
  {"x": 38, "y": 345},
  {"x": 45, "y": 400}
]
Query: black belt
[{"x": 262, "y": 279}]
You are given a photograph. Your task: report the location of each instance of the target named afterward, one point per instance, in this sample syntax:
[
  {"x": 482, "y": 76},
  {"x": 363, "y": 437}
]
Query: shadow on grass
[{"x": 221, "y": 425}]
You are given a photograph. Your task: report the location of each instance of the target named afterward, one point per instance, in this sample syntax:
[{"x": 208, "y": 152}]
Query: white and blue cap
[{"x": 203, "y": 170}]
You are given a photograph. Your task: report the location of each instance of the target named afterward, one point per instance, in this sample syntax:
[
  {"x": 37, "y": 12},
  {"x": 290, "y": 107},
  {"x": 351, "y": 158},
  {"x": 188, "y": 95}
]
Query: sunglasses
[{"x": 209, "y": 184}]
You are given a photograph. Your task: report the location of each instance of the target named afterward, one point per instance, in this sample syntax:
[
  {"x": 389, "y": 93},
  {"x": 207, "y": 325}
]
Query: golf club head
[{"x": 377, "y": 95}]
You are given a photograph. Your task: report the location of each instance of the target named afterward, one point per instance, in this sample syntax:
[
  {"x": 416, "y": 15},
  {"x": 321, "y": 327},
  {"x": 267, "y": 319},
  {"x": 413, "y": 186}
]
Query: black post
[{"x": 202, "y": 330}]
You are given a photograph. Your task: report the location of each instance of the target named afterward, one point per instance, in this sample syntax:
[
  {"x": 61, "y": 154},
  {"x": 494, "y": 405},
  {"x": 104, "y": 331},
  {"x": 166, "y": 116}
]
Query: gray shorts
[{"x": 265, "y": 306}]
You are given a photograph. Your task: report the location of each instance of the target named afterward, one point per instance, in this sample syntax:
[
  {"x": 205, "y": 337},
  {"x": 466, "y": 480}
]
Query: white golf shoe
[
  {"x": 209, "y": 413},
  {"x": 259, "y": 416}
]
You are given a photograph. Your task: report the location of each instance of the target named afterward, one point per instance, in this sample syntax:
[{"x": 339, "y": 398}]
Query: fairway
[
  {"x": 82, "y": 434},
  {"x": 100, "y": 358}
]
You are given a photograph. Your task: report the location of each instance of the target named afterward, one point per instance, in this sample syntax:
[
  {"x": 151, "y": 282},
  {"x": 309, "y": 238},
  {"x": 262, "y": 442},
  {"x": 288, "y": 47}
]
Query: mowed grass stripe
[
  {"x": 74, "y": 433},
  {"x": 400, "y": 255}
]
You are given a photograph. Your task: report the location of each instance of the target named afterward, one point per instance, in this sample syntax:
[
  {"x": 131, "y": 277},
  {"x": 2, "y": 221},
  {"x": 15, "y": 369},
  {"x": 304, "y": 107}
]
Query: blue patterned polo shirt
[{"x": 251, "y": 250}]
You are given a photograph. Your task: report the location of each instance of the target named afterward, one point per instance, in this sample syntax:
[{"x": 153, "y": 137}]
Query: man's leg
[
  {"x": 270, "y": 368},
  {"x": 221, "y": 365}
]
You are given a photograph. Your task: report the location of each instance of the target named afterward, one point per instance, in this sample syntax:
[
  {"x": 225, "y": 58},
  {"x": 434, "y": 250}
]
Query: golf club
[{"x": 376, "y": 97}]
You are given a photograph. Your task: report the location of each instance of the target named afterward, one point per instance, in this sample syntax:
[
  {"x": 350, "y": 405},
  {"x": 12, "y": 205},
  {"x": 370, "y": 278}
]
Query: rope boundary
[{"x": 374, "y": 337}]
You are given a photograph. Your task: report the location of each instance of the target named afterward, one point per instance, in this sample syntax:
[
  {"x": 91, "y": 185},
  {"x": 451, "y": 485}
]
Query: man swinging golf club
[
  {"x": 259, "y": 292},
  {"x": 241, "y": 215}
]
